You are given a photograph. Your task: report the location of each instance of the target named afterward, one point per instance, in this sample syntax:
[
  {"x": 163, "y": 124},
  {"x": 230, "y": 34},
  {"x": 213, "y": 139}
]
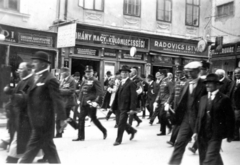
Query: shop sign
[
  {"x": 103, "y": 38},
  {"x": 66, "y": 36},
  {"x": 25, "y": 36},
  {"x": 110, "y": 54},
  {"x": 136, "y": 57},
  {"x": 84, "y": 51},
  {"x": 175, "y": 47},
  {"x": 225, "y": 50}
]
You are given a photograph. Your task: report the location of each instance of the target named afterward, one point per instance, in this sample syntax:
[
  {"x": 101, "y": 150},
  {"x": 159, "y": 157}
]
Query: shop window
[
  {"x": 10, "y": 4},
  {"x": 164, "y": 10},
  {"x": 192, "y": 12},
  {"x": 225, "y": 10},
  {"x": 92, "y": 4},
  {"x": 132, "y": 7}
]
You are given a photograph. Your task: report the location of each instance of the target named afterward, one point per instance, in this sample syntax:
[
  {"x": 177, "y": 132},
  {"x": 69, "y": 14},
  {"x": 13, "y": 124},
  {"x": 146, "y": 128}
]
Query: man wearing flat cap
[
  {"x": 67, "y": 91},
  {"x": 187, "y": 109},
  {"x": 215, "y": 122},
  {"x": 44, "y": 100},
  {"x": 90, "y": 98},
  {"x": 125, "y": 102}
]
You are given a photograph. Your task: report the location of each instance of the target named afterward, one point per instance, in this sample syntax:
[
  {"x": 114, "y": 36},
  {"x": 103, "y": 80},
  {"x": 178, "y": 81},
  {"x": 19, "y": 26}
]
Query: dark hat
[
  {"x": 179, "y": 69},
  {"x": 109, "y": 73},
  {"x": 64, "y": 69},
  {"x": 125, "y": 68},
  {"x": 150, "y": 76},
  {"x": 76, "y": 74},
  {"x": 212, "y": 77},
  {"x": 88, "y": 68},
  {"x": 205, "y": 64},
  {"x": 43, "y": 56},
  {"x": 143, "y": 76}
]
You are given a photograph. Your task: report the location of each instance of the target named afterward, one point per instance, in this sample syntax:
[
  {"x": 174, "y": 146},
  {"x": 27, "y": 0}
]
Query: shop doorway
[
  {"x": 78, "y": 65},
  {"x": 156, "y": 69}
]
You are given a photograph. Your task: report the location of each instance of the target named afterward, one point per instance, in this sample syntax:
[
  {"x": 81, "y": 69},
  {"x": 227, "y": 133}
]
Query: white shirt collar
[
  {"x": 40, "y": 72},
  {"x": 66, "y": 78},
  {"x": 194, "y": 81},
  {"x": 212, "y": 94},
  {"x": 124, "y": 80},
  {"x": 222, "y": 79},
  {"x": 26, "y": 77},
  {"x": 151, "y": 82},
  {"x": 133, "y": 77}
]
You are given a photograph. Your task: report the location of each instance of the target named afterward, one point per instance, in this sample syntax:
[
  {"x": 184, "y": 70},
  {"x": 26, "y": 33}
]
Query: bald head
[{"x": 220, "y": 73}]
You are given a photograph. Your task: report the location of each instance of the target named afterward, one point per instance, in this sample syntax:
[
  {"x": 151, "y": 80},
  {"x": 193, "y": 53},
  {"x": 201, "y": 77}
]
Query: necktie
[{"x": 191, "y": 87}]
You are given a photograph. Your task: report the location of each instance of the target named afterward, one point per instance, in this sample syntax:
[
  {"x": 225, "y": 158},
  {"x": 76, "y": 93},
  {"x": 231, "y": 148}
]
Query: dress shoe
[
  {"x": 138, "y": 123},
  {"x": 151, "y": 123},
  {"x": 171, "y": 143},
  {"x": 161, "y": 134},
  {"x": 192, "y": 150},
  {"x": 3, "y": 145},
  {"x": 43, "y": 160},
  {"x": 78, "y": 139},
  {"x": 116, "y": 143},
  {"x": 132, "y": 135},
  {"x": 116, "y": 126},
  {"x": 105, "y": 135},
  {"x": 58, "y": 135},
  {"x": 158, "y": 122}
]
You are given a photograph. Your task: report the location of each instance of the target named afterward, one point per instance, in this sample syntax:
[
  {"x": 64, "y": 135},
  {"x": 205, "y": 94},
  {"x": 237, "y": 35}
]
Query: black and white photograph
[{"x": 120, "y": 82}]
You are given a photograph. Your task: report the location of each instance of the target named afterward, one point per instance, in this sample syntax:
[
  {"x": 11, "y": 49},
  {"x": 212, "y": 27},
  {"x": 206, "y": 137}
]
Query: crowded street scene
[{"x": 120, "y": 82}]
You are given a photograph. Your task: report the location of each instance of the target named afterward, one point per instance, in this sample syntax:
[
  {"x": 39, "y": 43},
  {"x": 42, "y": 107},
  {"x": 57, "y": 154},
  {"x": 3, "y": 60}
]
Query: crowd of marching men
[{"x": 191, "y": 103}]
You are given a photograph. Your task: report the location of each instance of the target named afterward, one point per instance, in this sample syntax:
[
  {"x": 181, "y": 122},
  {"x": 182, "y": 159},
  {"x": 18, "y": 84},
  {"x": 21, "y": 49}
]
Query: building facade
[
  {"x": 225, "y": 23},
  {"x": 165, "y": 33}
]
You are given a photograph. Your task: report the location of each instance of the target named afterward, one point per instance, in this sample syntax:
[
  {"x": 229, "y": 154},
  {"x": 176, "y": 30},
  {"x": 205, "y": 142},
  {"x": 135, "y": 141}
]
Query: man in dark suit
[
  {"x": 187, "y": 109},
  {"x": 215, "y": 121},
  {"x": 43, "y": 102},
  {"x": 20, "y": 125},
  {"x": 125, "y": 102},
  {"x": 150, "y": 95},
  {"x": 235, "y": 96},
  {"x": 137, "y": 80},
  {"x": 67, "y": 91},
  {"x": 226, "y": 83},
  {"x": 90, "y": 97},
  {"x": 143, "y": 96}
]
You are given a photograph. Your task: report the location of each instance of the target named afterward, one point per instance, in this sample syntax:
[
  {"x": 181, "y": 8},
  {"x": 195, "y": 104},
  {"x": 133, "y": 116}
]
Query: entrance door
[{"x": 78, "y": 65}]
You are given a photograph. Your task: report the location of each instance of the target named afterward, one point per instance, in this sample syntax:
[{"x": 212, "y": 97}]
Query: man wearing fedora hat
[
  {"x": 125, "y": 102},
  {"x": 215, "y": 121},
  {"x": 43, "y": 102},
  {"x": 186, "y": 109},
  {"x": 90, "y": 97}
]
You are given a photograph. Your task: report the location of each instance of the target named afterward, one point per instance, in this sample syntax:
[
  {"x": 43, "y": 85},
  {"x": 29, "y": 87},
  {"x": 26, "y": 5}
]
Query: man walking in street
[
  {"x": 43, "y": 102},
  {"x": 215, "y": 121},
  {"x": 187, "y": 109},
  {"x": 90, "y": 98},
  {"x": 125, "y": 102}
]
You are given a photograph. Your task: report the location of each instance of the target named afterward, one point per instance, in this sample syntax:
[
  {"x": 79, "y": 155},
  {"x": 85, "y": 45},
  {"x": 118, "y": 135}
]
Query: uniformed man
[{"x": 90, "y": 98}]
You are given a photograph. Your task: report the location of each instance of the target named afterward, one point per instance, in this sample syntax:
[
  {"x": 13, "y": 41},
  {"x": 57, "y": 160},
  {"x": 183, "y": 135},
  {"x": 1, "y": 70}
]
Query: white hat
[{"x": 193, "y": 65}]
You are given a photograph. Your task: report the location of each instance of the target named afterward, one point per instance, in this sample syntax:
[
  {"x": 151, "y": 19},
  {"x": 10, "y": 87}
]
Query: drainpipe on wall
[{"x": 66, "y": 10}]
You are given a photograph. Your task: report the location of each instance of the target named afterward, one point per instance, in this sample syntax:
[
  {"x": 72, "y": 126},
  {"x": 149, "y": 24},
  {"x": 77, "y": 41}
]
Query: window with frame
[
  {"x": 92, "y": 4},
  {"x": 10, "y": 4},
  {"x": 225, "y": 10},
  {"x": 164, "y": 10},
  {"x": 132, "y": 7},
  {"x": 192, "y": 12}
]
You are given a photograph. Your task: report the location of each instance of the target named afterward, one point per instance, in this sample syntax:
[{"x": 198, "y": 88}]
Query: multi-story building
[
  {"x": 25, "y": 25},
  {"x": 165, "y": 33},
  {"x": 225, "y": 24}
]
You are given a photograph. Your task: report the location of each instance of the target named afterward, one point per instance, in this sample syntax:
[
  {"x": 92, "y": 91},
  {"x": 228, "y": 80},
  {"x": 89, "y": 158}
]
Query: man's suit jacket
[
  {"x": 235, "y": 96},
  {"x": 126, "y": 96},
  {"x": 67, "y": 90},
  {"x": 226, "y": 87},
  {"x": 44, "y": 100},
  {"x": 222, "y": 116},
  {"x": 181, "y": 106},
  {"x": 91, "y": 89}
]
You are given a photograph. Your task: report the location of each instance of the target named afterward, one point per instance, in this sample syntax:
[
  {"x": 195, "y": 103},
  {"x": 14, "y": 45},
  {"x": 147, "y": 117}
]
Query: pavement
[{"x": 145, "y": 149}]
